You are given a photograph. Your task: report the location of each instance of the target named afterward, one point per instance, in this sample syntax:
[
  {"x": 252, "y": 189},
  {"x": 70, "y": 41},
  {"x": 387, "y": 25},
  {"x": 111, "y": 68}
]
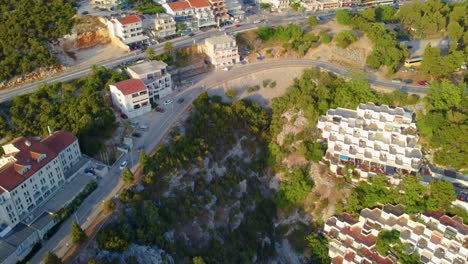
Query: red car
[
  {"x": 237, "y": 25},
  {"x": 422, "y": 83},
  {"x": 124, "y": 116}
]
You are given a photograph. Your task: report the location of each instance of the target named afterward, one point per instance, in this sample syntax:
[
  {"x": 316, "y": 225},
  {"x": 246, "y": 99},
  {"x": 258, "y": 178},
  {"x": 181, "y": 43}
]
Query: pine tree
[
  {"x": 127, "y": 176},
  {"x": 51, "y": 258},
  {"x": 78, "y": 236}
]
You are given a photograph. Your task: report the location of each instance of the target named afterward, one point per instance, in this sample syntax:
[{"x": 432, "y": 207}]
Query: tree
[
  {"x": 264, "y": 83},
  {"x": 312, "y": 21},
  {"x": 343, "y": 17},
  {"x": 385, "y": 13},
  {"x": 324, "y": 37},
  {"x": 169, "y": 48},
  {"x": 385, "y": 240},
  {"x": 442, "y": 195},
  {"x": 432, "y": 62},
  {"x": 455, "y": 31},
  {"x": 369, "y": 14},
  {"x": 265, "y": 5},
  {"x": 413, "y": 198},
  {"x": 272, "y": 85},
  {"x": 143, "y": 157},
  {"x": 108, "y": 206},
  {"x": 445, "y": 95},
  {"x": 198, "y": 260},
  {"x": 150, "y": 53},
  {"x": 345, "y": 38},
  {"x": 319, "y": 249},
  {"x": 77, "y": 234},
  {"x": 127, "y": 176},
  {"x": 231, "y": 93},
  {"x": 180, "y": 26},
  {"x": 51, "y": 258}
]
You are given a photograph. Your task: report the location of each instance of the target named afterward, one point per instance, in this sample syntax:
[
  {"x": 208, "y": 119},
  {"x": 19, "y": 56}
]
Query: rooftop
[
  {"x": 148, "y": 67},
  {"x": 43, "y": 220},
  {"x": 5, "y": 250},
  {"x": 18, "y": 234},
  {"x": 199, "y": 3},
  {"x": 130, "y": 86},
  {"x": 129, "y": 20},
  {"x": 179, "y": 5},
  {"x": 219, "y": 39}
]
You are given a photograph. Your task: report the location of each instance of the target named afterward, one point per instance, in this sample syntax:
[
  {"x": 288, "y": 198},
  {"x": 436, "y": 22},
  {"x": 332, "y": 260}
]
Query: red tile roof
[
  {"x": 375, "y": 257},
  {"x": 179, "y": 5},
  {"x": 129, "y": 20},
  {"x": 59, "y": 140},
  {"x": 337, "y": 260},
  {"x": 199, "y": 3},
  {"x": 130, "y": 86}
]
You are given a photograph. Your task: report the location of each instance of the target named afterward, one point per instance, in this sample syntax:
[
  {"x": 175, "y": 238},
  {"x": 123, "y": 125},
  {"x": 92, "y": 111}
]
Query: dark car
[
  {"x": 124, "y": 116},
  {"x": 180, "y": 100},
  {"x": 408, "y": 81},
  {"x": 84, "y": 12},
  {"x": 137, "y": 135},
  {"x": 191, "y": 34},
  {"x": 159, "y": 109}
]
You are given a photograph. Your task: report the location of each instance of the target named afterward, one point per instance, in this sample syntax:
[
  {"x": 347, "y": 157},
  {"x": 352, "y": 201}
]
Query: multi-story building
[
  {"x": 277, "y": 4},
  {"x": 108, "y": 4},
  {"x": 160, "y": 25},
  {"x": 193, "y": 13},
  {"x": 371, "y": 140},
  {"x": 219, "y": 10},
  {"x": 222, "y": 50},
  {"x": 234, "y": 9},
  {"x": 31, "y": 171},
  {"x": 131, "y": 97},
  {"x": 155, "y": 77},
  {"x": 314, "y": 5},
  {"x": 128, "y": 29},
  {"x": 436, "y": 237}
]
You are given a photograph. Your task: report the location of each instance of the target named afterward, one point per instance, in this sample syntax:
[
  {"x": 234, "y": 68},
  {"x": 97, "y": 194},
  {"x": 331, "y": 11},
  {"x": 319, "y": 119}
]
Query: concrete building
[
  {"x": 108, "y": 4},
  {"x": 314, "y": 5},
  {"x": 155, "y": 77},
  {"x": 234, "y": 9},
  {"x": 31, "y": 171},
  {"x": 436, "y": 237},
  {"x": 222, "y": 50},
  {"x": 160, "y": 25},
  {"x": 371, "y": 140},
  {"x": 131, "y": 97},
  {"x": 128, "y": 29},
  {"x": 193, "y": 13},
  {"x": 219, "y": 10},
  {"x": 277, "y": 4}
]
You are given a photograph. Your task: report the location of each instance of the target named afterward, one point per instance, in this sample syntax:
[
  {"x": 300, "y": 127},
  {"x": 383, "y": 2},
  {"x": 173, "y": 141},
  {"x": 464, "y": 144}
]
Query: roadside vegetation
[
  {"x": 78, "y": 107},
  {"x": 26, "y": 28}
]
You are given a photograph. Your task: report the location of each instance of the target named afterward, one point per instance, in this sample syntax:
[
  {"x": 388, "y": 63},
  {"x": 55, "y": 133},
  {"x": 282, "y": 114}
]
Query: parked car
[
  {"x": 89, "y": 170},
  {"x": 180, "y": 100},
  {"x": 137, "y": 135},
  {"x": 191, "y": 34},
  {"x": 396, "y": 81},
  {"x": 134, "y": 124},
  {"x": 143, "y": 128},
  {"x": 84, "y": 12},
  {"x": 123, "y": 165},
  {"x": 124, "y": 116},
  {"x": 169, "y": 101},
  {"x": 159, "y": 109},
  {"x": 409, "y": 47},
  {"x": 408, "y": 81},
  {"x": 237, "y": 25},
  {"x": 423, "y": 83},
  {"x": 140, "y": 147}
]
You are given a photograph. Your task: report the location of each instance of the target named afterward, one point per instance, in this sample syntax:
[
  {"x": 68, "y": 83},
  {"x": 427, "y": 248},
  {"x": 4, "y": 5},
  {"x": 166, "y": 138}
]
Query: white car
[
  {"x": 169, "y": 101},
  {"x": 123, "y": 165}
]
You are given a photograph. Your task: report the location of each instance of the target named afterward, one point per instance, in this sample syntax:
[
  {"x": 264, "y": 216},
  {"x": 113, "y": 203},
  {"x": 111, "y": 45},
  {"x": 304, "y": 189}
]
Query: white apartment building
[
  {"x": 314, "y": 5},
  {"x": 128, "y": 29},
  {"x": 155, "y": 77},
  {"x": 438, "y": 238},
  {"x": 371, "y": 140},
  {"x": 160, "y": 25},
  {"x": 31, "y": 171},
  {"x": 222, "y": 50},
  {"x": 193, "y": 13},
  {"x": 131, "y": 97},
  {"x": 219, "y": 10},
  {"x": 277, "y": 4},
  {"x": 106, "y": 3}
]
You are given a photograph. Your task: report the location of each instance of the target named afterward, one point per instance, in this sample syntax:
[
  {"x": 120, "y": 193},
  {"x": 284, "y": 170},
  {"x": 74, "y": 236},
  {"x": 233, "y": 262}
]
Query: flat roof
[
  {"x": 148, "y": 67},
  {"x": 5, "y": 250},
  {"x": 18, "y": 234},
  {"x": 43, "y": 220},
  {"x": 220, "y": 39}
]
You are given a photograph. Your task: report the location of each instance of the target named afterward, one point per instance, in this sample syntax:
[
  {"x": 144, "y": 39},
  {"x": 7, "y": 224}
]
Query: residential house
[
  {"x": 159, "y": 25},
  {"x": 31, "y": 171},
  {"x": 277, "y": 4},
  {"x": 436, "y": 237},
  {"x": 155, "y": 77},
  {"x": 371, "y": 140},
  {"x": 131, "y": 97},
  {"x": 222, "y": 50},
  {"x": 193, "y": 13},
  {"x": 128, "y": 29}
]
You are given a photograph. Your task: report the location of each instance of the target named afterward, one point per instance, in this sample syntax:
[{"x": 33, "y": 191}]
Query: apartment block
[
  {"x": 108, "y": 4},
  {"x": 219, "y": 10},
  {"x": 128, "y": 29},
  {"x": 131, "y": 97},
  {"x": 193, "y": 13},
  {"x": 277, "y": 4},
  {"x": 222, "y": 51},
  {"x": 155, "y": 77},
  {"x": 234, "y": 9},
  {"x": 315, "y": 5},
  {"x": 436, "y": 237},
  {"x": 159, "y": 25},
  {"x": 31, "y": 171},
  {"x": 371, "y": 140}
]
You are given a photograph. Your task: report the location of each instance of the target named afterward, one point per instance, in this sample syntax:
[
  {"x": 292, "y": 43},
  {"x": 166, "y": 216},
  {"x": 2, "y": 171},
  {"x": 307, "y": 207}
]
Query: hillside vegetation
[{"x": 25, "y": 28}]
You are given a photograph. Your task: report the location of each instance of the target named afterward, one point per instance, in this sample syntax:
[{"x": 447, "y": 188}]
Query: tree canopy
[
  {"x": 26, "y": 28},
  {"x": 77, "y": 234}
]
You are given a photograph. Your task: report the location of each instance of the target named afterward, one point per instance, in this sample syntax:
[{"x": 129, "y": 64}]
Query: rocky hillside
[{"x": 88, "y": 32}]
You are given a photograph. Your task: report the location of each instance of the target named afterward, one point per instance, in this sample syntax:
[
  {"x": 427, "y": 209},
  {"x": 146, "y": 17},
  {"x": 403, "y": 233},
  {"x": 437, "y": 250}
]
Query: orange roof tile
[
  {"x": 59, "y": 140},
  {"x": 179, "y": 5},
  {"x": 129, "y": 20},
  {"x": 130, "y": 86},
  {"x": 199, "y": 3}
]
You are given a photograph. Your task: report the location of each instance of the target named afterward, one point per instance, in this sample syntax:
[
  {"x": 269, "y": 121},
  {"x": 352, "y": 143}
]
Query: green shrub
[
  {"x": 231, "y": 93},
  {"x": 272, "y": 85}
]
